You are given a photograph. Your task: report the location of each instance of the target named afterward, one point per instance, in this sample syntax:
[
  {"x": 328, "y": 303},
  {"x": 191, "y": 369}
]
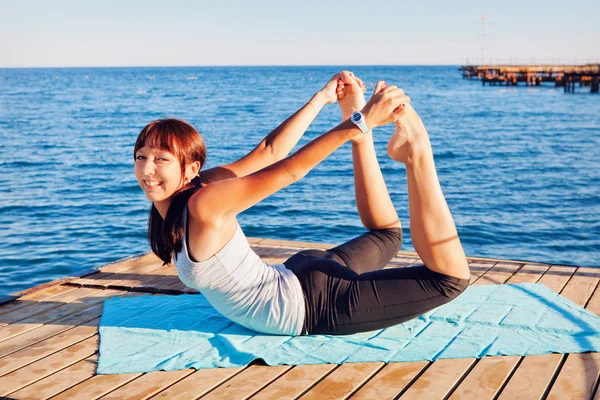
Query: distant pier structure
[{"x": 566, "y": 76}]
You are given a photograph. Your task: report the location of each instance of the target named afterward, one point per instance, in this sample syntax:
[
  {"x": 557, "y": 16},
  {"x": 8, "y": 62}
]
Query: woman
[{"x": 339, "y": 291}]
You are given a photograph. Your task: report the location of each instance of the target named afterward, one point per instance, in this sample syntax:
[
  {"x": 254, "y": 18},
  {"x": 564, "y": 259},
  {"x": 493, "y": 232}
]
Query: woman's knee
[
  {"x": 392, "y": 237},
  {"x": 453, "y": 288}
]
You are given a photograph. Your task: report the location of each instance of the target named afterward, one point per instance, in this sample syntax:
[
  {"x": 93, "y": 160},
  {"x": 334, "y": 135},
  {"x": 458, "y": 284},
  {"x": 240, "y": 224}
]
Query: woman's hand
[
  {"x": 329, "y": 91},
  {"x": 384, "y": 105}
]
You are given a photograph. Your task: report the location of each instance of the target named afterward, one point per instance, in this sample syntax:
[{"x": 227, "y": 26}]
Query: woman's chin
[{"x": 154, "y": 197}]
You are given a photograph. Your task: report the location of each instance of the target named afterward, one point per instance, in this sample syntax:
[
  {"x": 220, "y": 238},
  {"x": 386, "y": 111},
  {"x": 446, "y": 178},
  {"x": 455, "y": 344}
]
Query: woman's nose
[{"x": 149, "y": 168}]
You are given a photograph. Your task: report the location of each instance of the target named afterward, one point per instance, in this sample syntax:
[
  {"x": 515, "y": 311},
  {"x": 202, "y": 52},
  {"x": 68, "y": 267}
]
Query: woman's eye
[
  {"x": 162, "y": 159},
  {"x": 140, "y": 158}
]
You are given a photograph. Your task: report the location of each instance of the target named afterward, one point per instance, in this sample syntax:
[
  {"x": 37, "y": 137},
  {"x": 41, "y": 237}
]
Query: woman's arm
[
  {"x": 227, "y": 198},
  {"x": 278, "y": 144}
]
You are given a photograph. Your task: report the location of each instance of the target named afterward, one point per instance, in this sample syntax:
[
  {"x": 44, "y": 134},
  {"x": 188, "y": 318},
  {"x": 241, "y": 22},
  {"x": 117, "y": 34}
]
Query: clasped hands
[{"x": 386, "y": 105}]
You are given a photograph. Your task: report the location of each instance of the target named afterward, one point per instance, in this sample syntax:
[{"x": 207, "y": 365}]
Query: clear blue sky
[{"x": 39, "y": 33}]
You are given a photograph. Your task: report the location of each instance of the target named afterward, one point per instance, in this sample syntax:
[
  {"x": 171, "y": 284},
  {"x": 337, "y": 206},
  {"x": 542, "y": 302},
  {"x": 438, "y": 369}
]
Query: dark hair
[{"x": 185, "y": 143}]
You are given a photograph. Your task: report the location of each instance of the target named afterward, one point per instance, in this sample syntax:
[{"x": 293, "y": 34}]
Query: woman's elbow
[{"x": 275, "y": 154}]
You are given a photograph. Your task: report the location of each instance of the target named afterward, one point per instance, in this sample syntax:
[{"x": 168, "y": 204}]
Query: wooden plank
[
  {"x": 266, "y": 251},
  {"x": 162, "y": 284},
  {"x": 60, "y": 381},
  {"x": 47, "y": 347},
  {"x": 416, "y": 263},
  {"x": 29, "y": 338},
  {"x": 88, "y": 298},
  {"x": 498, "y": 274},
  {"x": 43, "y": 306},
  {"x": 130, "y": 262},
  {"x": 197, "y": 384},
  {"x": 390, "y": 381},
  {"x": 131, "y": 277},
  {"x": 307, "y": 245},
  {"x": 96, "y": 386},
  {"x": 147, "y": 385},
  {"x": 274, "y": 242},
  {"x": 33, "y": 298},
  {"x": 593, "y": 304},
  {"x": 290, "y": 243},
  {"x": 479, "y": 268},
  {"x": 248, "y": 382},
  {"x": 133, "y": 280},
  {"x": 401, "y": 261},
  {"x": 159, "y": 284},
  {"x": 343, "y": 381},
  {"x": 531, "y": 377},
  {"x": 577, "y": 378},
  {"x": 46, "y": 366},
  {"x": 557, "y": 277},
  {"x": 181, "y": 288},
  {"x": 109, "y": 272},
  {"x": 254, "y": 240},
  {"x": 37, "y": 319},
  {"x": 485, "y": 380},
  {"x": 57, "y": 282},
  {"x": 45, "y": 331},
  {"x": 529, "y": 273},
  {"x": 439, "y": 379},
  {"x": 295, "y": 382},
  {"x": 582, "y": 285}
]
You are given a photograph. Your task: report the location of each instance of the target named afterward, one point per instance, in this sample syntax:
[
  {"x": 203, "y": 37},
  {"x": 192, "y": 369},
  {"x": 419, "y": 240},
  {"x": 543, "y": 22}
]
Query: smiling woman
[
  {"x": 168, "y": 155},
  {"x": 193, "y": 220}
]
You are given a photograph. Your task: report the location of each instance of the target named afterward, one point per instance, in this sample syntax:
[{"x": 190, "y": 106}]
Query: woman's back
[{"x": 262, "y": 297}]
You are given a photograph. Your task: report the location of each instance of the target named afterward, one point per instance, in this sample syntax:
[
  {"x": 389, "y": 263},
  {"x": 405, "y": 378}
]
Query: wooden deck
[{"x": 49, "y": 346}]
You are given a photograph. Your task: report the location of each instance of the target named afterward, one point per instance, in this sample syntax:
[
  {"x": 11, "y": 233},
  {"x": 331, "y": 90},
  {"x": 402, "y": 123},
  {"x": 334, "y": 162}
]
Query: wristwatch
[{"x": 358, "y": 119}]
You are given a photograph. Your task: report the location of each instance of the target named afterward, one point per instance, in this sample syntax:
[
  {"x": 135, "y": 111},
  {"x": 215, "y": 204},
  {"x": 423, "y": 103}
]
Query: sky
[{"x": 83, "y": 33}]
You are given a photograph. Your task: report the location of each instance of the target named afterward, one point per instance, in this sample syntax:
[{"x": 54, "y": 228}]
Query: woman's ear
[{"x": 191, "y": 171}]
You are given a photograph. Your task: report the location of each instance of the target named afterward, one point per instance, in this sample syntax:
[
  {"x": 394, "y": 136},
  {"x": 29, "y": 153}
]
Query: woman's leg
[
  {"x": 339, "y": 301},
  {"x": 432, "y": 228},
  {"x": 370, "y": 251},
  {"x": 372, "y": 198}
]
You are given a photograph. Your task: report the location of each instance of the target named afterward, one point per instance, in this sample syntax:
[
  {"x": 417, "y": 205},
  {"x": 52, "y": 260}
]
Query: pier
[
  {"x": 566, "y": 76},
  {"x": 49, "y": 345}
]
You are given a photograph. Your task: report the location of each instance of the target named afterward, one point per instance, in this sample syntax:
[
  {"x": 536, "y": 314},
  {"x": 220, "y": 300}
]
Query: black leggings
[{"x": 346, "y": 290}]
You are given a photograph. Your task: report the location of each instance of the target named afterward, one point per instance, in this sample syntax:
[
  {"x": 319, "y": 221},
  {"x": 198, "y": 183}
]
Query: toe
[
  {"x": 361, "y": 84},
  {"x": 348, "y": 78}
]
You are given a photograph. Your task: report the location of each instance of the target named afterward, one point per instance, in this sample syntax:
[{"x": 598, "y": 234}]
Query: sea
[{"x": 519, "y": 166}]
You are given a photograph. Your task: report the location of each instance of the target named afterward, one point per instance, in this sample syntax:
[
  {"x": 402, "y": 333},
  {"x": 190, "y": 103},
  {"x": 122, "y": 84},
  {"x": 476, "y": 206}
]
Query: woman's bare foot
[
  {"x": 410, "y": 138},
  {"x": 350, "y": 93}
]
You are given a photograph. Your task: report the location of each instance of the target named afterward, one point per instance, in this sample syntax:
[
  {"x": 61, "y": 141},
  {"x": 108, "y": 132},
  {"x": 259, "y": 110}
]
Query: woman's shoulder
[
  {"x": 207, "y": 233},
  {"x": 207, "y": 214}
]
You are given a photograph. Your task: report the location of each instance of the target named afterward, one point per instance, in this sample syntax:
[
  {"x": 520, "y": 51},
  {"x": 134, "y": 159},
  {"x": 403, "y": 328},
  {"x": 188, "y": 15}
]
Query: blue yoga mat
[{"x": 149, "y": 333}]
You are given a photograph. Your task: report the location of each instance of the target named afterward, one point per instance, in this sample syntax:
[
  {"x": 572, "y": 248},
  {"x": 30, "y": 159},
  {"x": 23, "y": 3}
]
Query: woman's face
[{"x": 158, "y": 173}]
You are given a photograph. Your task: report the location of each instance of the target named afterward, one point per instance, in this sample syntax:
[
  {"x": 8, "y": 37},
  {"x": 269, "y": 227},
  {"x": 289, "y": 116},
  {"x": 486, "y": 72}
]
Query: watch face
[{"x": 356, "y": 116}]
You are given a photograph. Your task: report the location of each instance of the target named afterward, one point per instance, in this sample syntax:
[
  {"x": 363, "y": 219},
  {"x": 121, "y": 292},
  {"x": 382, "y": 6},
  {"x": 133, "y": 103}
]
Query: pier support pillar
[{"x": 595, "y": 85}]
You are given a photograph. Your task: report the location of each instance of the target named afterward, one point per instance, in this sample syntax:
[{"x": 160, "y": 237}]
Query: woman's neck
[{"x": 162, "y": 207}]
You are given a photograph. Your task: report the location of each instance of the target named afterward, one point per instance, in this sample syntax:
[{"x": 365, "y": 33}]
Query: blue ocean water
[{"x": 519, "y": 166}]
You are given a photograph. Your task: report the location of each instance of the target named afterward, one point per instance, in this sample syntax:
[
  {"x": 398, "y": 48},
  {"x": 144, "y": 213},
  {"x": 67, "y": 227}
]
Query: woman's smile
[{"x": 151, "y": 184}]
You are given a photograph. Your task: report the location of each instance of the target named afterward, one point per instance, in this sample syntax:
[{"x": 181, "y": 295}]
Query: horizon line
[{"x": 228, "y": 66}]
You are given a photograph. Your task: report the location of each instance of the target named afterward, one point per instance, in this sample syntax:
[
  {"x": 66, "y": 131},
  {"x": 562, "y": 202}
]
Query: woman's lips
[{"x": 152, "y": 184}]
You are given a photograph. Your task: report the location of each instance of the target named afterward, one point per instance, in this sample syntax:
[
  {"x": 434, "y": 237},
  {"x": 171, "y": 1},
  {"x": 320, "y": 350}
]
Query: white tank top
[{"x": 237, "y": 283}]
